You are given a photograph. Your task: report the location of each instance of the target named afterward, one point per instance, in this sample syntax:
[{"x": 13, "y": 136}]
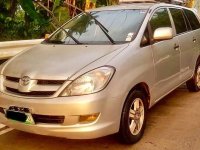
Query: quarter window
[
  {"x": 160, "y": 19},
  {"x": 179, "y": 20},
  {"x": 194, "y": 22},
  {"x": 145, "y": 39}
]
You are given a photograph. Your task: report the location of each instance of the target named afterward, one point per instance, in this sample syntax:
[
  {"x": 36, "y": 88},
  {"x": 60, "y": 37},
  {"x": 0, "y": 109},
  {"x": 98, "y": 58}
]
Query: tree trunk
[
  {"x": 13, "y": 8},
  {"x": 71, "y": 10}
]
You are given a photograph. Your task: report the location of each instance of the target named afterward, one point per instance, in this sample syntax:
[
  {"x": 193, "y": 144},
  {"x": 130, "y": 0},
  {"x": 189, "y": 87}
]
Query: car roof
[{"x": 134, "y": 6}]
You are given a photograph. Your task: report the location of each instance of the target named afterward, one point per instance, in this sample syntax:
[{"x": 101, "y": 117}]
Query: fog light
[{"x": 88, "y": 118}]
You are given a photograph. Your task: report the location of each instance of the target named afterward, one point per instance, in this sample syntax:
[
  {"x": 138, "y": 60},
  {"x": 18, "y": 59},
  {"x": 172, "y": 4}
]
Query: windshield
[{"x": 122, "y": 26}]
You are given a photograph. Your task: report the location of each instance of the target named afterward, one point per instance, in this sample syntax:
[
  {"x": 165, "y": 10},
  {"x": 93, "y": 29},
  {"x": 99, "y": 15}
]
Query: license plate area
[{"x": 19, "y": 114}]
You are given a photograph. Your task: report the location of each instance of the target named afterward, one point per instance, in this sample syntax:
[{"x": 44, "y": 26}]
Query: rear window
[{"x": 194, "y": 22}]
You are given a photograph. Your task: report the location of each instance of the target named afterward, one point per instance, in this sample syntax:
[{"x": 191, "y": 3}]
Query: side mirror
[
  {"x": 46, "y": 36},
  {"x": 164, "y": 33}
]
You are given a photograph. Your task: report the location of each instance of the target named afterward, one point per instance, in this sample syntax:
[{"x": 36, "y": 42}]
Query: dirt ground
[{"x": 173, "y": 124}]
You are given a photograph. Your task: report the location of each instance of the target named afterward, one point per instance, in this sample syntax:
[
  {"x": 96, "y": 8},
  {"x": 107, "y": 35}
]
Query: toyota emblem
[{"x": 25, "y": 80}]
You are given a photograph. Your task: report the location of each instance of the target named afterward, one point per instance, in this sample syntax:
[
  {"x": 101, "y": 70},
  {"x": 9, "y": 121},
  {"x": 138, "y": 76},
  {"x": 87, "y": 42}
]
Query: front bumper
[{"x": 70, "y": 107}]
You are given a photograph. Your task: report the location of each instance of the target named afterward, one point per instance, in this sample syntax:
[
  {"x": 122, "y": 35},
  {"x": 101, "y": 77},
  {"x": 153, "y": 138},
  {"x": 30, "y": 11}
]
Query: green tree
[{"x": 27, "y": 19}]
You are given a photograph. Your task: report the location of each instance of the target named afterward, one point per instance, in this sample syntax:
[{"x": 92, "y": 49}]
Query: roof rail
[{"x": 176, "y": 2}]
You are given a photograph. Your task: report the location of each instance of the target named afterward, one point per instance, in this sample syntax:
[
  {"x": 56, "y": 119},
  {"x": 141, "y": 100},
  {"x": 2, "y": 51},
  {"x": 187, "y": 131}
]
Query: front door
[{"x": 166, "y": 55}]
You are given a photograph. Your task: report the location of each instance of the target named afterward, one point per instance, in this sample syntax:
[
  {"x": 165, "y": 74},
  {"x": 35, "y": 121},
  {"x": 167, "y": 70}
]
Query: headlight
[{"x": 90, "y": 82}]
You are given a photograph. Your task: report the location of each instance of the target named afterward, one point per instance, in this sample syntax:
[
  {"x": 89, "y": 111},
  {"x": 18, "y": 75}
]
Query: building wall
[{"x": 197, "y": 5}]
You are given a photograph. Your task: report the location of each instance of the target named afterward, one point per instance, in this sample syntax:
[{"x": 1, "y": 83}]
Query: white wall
[
  {"x": 197, "y": 5},
  {"x": 11, "y": 48}
]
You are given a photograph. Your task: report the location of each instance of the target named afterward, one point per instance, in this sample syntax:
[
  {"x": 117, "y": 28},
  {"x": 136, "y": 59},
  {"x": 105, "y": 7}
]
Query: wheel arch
[
  {"x": 143, "y": 87},
  {"x": 125, "y": 132}
]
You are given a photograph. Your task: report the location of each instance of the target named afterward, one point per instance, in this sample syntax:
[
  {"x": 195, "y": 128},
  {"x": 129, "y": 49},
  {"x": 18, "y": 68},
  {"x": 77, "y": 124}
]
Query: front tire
[
  {"x": 133, "y": 119},
  {"x": 193, "y": 84}
]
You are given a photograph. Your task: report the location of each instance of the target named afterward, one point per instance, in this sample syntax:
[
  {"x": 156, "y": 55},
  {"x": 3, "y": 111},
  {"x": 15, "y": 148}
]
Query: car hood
[{"x": 58, "y": 62}]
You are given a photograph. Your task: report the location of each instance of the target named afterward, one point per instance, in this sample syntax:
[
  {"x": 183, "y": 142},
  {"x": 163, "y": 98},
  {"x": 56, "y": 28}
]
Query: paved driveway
[{"x": 173, "y": 124}]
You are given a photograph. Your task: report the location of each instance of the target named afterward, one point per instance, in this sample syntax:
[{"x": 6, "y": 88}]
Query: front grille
[
  {"x": 48, "y": 119},
  {"x": 32, "y": 94},
  {"x": 13, "y": 79},
  {"x": 50, "y": 82},
  {"x": 40, "y": 88}
]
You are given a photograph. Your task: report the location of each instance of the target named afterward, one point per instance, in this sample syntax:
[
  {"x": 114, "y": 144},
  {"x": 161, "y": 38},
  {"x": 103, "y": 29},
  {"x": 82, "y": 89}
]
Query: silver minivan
[{"x": 100, "y": 72}]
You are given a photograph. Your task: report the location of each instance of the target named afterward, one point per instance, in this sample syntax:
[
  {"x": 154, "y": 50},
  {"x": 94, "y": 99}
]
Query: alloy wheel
[{"x": 136, "y": 116}]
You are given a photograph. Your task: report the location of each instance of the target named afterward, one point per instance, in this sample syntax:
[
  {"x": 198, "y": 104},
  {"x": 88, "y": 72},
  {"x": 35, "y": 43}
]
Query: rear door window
[
  {"x": 179, "y": 20},
  {"x": 194, "y": 22}
]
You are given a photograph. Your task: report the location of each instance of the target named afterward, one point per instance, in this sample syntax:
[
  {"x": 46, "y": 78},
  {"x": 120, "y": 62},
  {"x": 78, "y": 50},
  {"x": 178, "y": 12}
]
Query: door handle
[
  {"x": 176, "y": 47},
  {"x": 194, "y": 40}
]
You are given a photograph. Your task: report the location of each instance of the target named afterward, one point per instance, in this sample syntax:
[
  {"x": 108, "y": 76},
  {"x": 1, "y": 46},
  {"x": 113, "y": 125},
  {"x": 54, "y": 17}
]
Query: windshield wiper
[
  {"x": 71, "y": 36},
  {"x": 102, "y": 27}
]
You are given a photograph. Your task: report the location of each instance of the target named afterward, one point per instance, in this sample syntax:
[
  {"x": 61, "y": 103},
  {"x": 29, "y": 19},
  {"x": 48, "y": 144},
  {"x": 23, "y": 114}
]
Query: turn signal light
[{"x": 88, "y": 118}]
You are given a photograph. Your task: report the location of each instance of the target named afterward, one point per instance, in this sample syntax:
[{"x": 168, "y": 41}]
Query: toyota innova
[{"x": 100, "y": 72}]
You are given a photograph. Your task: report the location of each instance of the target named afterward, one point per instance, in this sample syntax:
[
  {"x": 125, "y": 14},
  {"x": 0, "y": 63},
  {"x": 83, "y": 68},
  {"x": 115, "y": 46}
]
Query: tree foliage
[
  {"x": 29, "y": 8},
  {"x": 28, "y": 19}
]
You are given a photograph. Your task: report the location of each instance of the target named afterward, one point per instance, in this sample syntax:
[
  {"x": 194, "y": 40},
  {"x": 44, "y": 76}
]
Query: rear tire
[
  {"x": 193, "y": 84},
  {"x": 133, "y": 119}
]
